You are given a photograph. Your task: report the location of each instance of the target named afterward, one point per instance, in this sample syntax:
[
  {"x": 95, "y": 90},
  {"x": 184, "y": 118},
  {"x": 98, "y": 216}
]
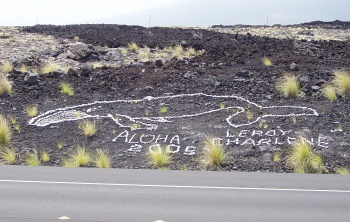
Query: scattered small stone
[
  {"x": 315, "y": 88},
  {"x": 136, "y": 64},
  {"x": 148, "y": 88},
  {"x": 190, "y": 74},
  {"x": 158, "y": 63},
  {"x": 294, "y": 67},
  {"x": 31, "y": 78},
  {"x": 244, "y": 73}
]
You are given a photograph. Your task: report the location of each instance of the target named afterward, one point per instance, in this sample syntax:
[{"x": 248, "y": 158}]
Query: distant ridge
[{"x": 336, "y": 24}]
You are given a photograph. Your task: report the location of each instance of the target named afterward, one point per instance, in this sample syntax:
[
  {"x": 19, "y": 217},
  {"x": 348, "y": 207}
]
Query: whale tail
[
  {"x": 51, "y": 117},
  {"x": 247, "y": 117}
]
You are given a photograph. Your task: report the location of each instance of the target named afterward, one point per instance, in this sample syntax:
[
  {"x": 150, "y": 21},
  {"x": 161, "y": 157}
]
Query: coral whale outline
[{"x": 150, "y": 123}]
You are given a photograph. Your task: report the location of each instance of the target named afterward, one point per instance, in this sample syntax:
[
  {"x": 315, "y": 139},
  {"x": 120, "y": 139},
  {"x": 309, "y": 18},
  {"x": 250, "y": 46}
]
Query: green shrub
[
  {"x": 302, "y": 160},
  {"x": 88, "y": 127},
  {"x": 213, "y": 154},
  {"x": 5, "y": 131},
  {"x": 159, "y": 157},
  {"x": 288, "y": 85},
  {"x": 341, "y": 82},
  {"x": 8, "y": 155},
  {"x": 102, "y": 159},
  {"x": 5, "y": 86}
]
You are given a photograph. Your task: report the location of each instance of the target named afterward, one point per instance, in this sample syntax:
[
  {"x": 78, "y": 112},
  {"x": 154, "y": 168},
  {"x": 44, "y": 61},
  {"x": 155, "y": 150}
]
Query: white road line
[{"x": 175, "y": 186}]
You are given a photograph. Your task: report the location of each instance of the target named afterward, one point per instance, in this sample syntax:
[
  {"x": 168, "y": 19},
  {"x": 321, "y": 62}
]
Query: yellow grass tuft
[
  {"x": 102, "y": 159},
  {"x": 23, "y": 68},
  {"x": 80, "y": 157},
  {"x": 59, "y": 145},
  {"x": 329, "y": 92},
  {"x": 66, "y": 88},
  {"x": 8, "y": 155},
  {"x": 341, "y": 82},
  {"x": 32, "y": 159},
  {"x": 342, "y": 171},
  {"x": 159, "y": 157},
  {"x": 88, "y": 127},
  {"x": 302, "y": 160},
  {"x": 267, "y": 62},
  {"x": 213, "y": 154},
  {"x": 276, "y": 157},
  {"x": 50, "y": 67},
  {"x": 163, "y": 109},
  {"x": 191, "y": 52},
  {"x": 5, "y": 131},
  {"x": 96, "y": 65},
  {"x": 45, "y": 156},
  {"x": 288, "y": 85},
  {"x": 5, "y": 86},
  {"x": 6, "y": 67},
  {"x": 249, "y": 115},
  {"x": 132, "y": 47},
  {"x": 32, "y": 111}
]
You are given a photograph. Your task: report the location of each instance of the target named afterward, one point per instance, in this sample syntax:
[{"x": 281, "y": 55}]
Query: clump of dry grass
[
  {"x": 32, "y": 159},
  {"x": 342, "y": 171},
  {"x": 88, "y": 127},
  {"x": 23, "y": 68},
  {"x": 6, "y": 67},
  {"x": 132, "y": 47},
  {"x": 8, "y": 155},
  {"x": 159, "y": 157},
  {"x": 177, "y": 51},
  {"x": 32, "y": 111},
  {"x": 5, "y": 86},
  {"x": 5, "y": 131},
  {"x": 267, "y": 62},
  {"x": 50, "y": 67},
  {"x": 45, "y": 156},
  {"x": 191, "y": 52},
  {"x": 80, "y": 157},
  {"x": 302, "y": 160},
  {"x": 213, "y": 154},
  {"x": 163, "y": 109},
  {"x": 96, "y": 65},
  {"x": 102, "y": 159},
  {"x": 67, "y": 88},
  {"x": 288, "y": 85},
  {"x": 341, "y": 82},
  {"x": 329, "y": 92}
]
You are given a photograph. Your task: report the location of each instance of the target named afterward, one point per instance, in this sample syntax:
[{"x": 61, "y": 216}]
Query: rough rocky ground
[{"x": 228, "y": 62}]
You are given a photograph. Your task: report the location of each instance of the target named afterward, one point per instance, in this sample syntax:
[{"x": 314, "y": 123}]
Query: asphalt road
[{"x": 47, "y": 193}]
